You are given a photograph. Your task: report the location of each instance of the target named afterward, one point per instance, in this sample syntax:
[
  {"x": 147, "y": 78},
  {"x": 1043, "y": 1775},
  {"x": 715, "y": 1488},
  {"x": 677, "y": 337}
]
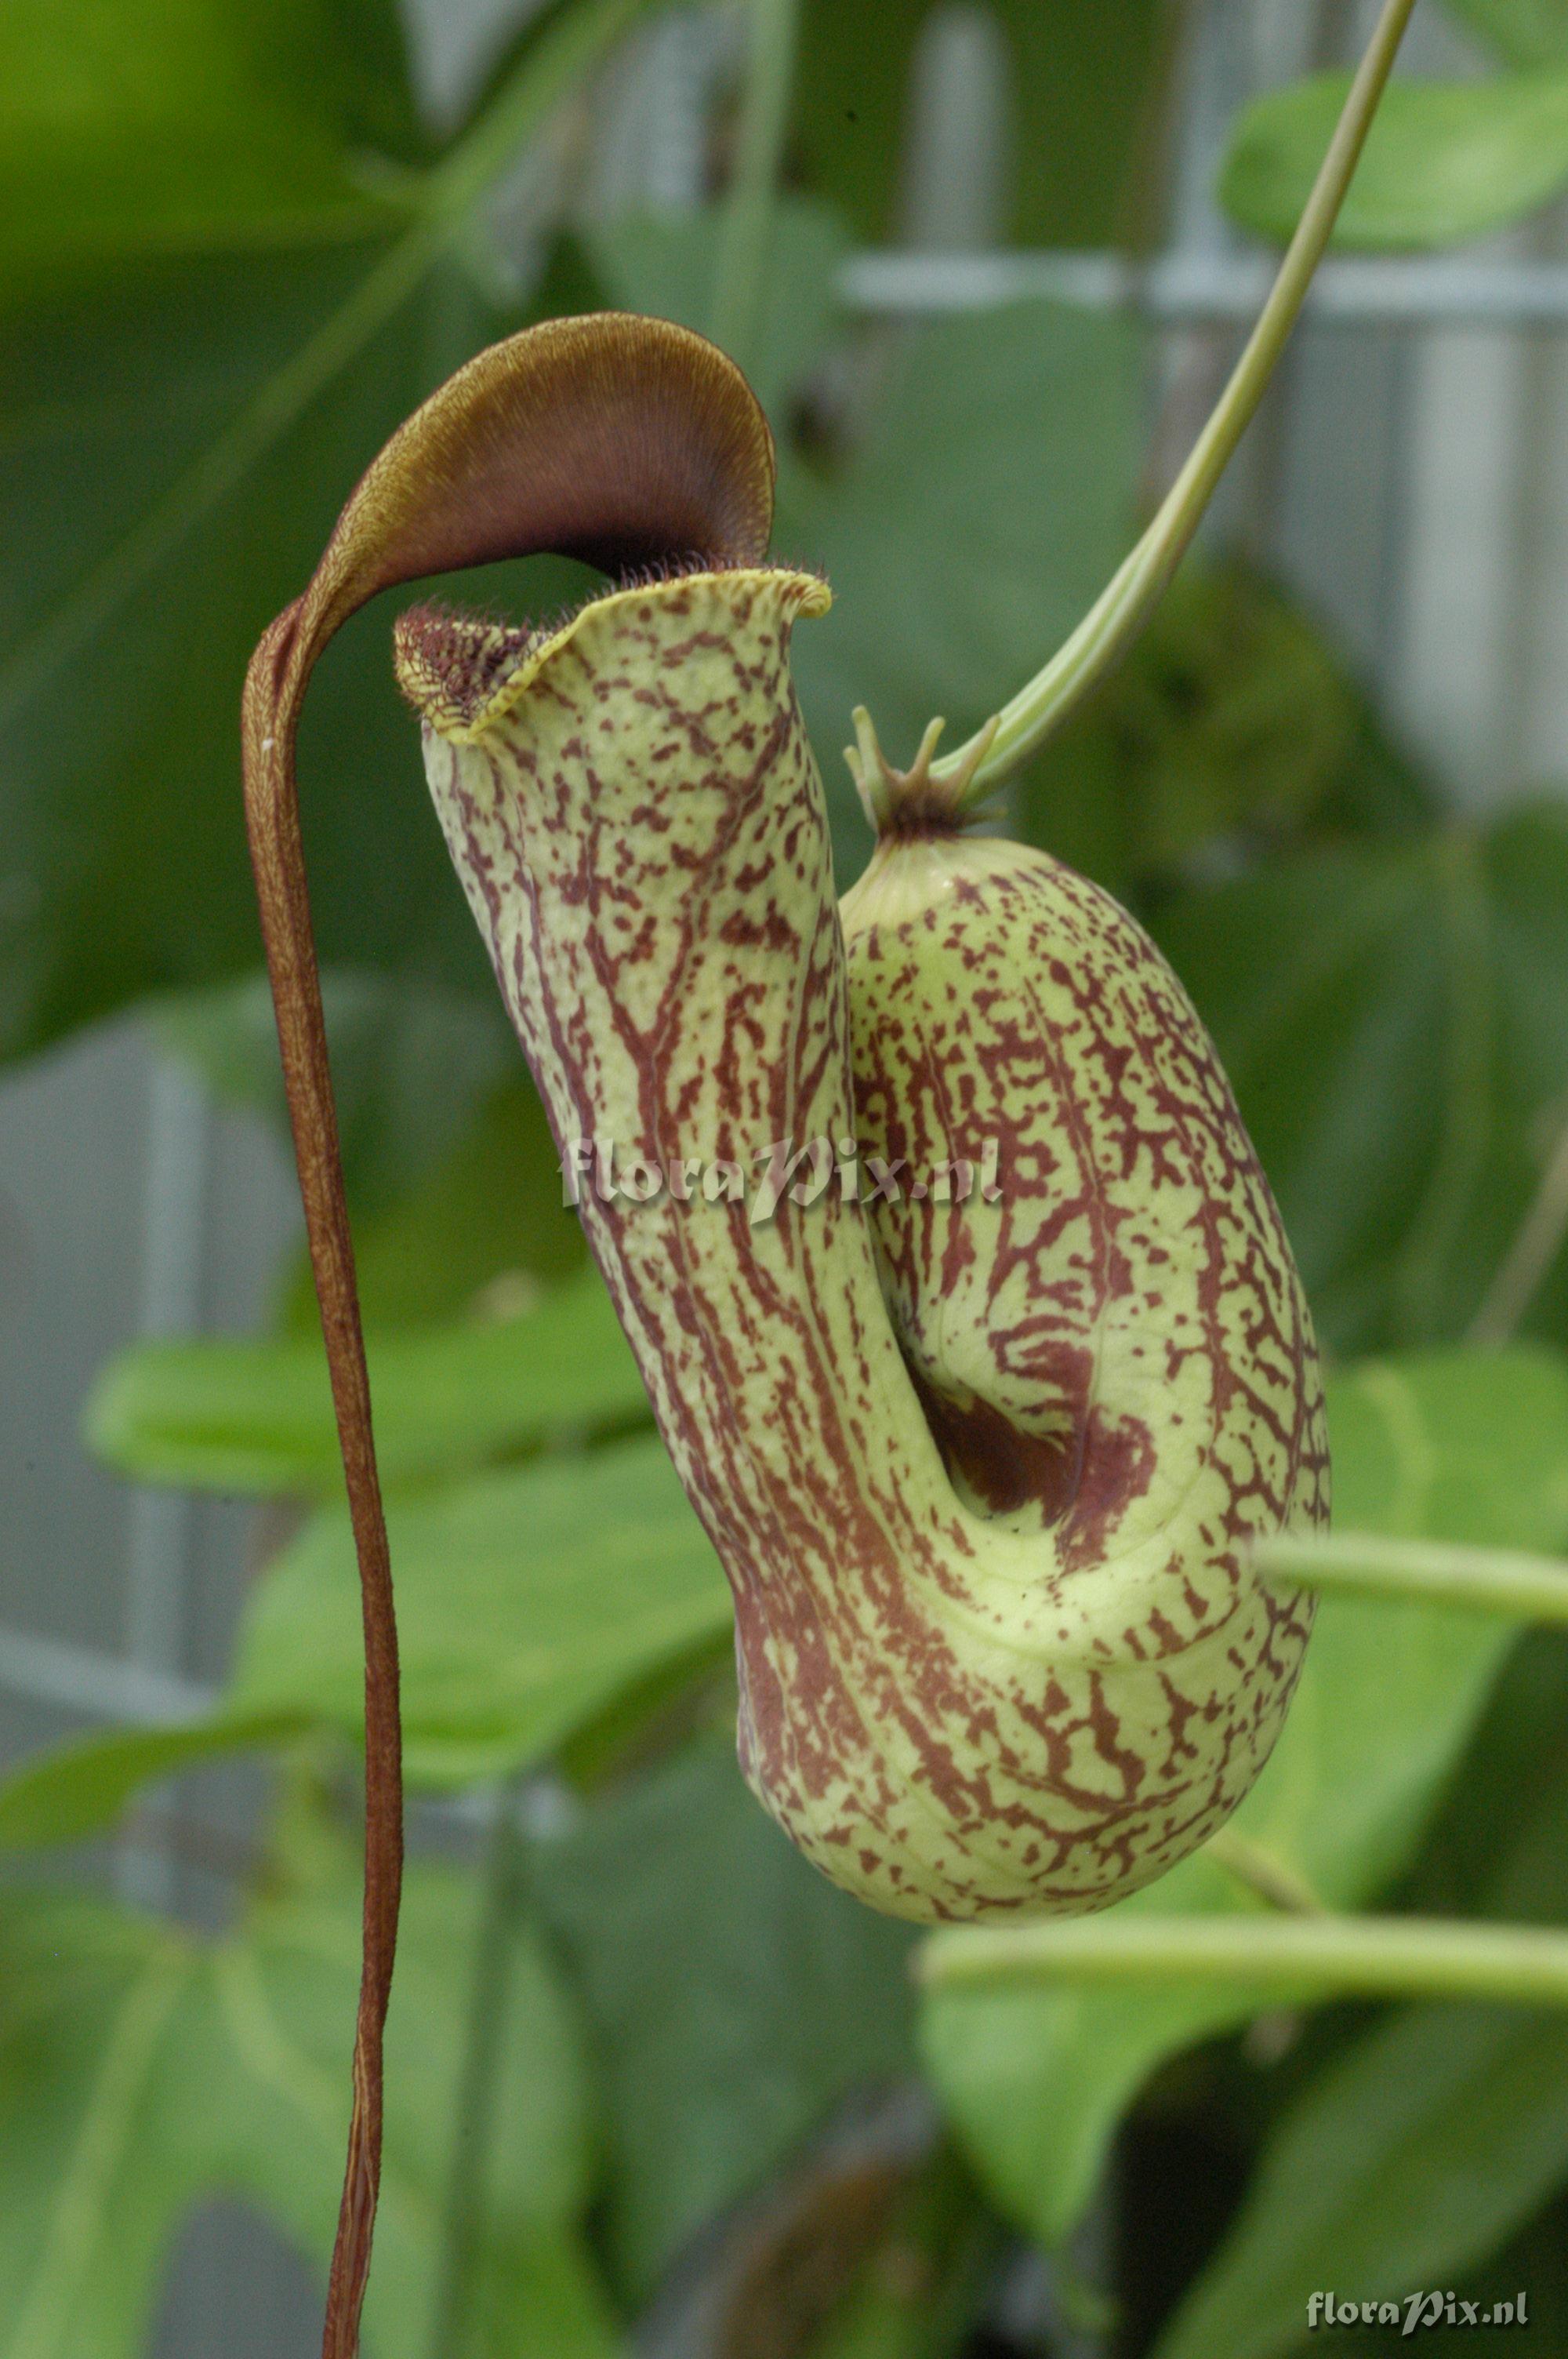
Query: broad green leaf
[
  {"x": 142, "y": 2070},
  {"x": 529, "y": 1605},
  {"x": 180, "y": 126},
  {"x": 1390, "y": 1019},
  {"x": 239, "y": 1415},
  {"x": 1458, "y": 1446},
  {"x": 1444, "y": 161},
  {"x": 1522, "y": 32},
  {"x": 984, "y": 507},
  {"x": 526, "y": 1602},
  {"x": 77, "y": 1790},
  {"x": 125, "y": 871},
  {"x": 731, "y": 1993}
]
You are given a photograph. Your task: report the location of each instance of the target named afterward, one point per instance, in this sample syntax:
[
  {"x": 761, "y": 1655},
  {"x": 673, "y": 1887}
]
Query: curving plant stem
[
  {"x": 1293, "y": 1957},
  {"x": 1509, "y": 1581},
  {"x": 1125, "y": 606}
]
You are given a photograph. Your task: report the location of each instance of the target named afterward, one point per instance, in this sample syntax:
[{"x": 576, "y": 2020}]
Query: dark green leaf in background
[
  {"x": 1083, "y": 86},
  {"x": 176, "y": 441},
  {"x": 1229, "y": 733},
  {"x": 1390, "y": 1019},
  {"x": 1425, "y": 2142},
  {"x": 732, "y": 1994},
  {"x": 971, "y": 528},
  {"x": 1522, "y": 32},
  {"x": 190, "y": 126},
  {"x": 1406, "y": 2160}
]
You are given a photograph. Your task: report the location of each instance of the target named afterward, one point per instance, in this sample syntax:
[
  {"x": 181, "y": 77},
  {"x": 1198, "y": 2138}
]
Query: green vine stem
[
  {"x": 746, "y": 235},
  {"x": 1282, "y": 1957},
  {"x": 1124, "y": 607},
  {"x": 473, "y": 2104},
  {"x": 1425, "y": 1572}
]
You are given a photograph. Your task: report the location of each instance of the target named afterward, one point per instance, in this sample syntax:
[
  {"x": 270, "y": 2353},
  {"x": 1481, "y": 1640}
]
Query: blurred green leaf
[
  {"x": 982, "y": 513},
  {"x": 1082, "y": 88},
  {"x": 483, "y": 1228},
  {"x": 241, "y": 1415},
  {"x": 62, "y": 1796},
  {"x": 1522, "y": 32},
  {"x": 1229, "y": 730},
  {"x": 96, "y": 2081},
  {"x": 141, "y": 2070},
  {"x": 526, "y": 1602},
  {"x": 452, "y": 1176},
  {"x": 1389, "y": 1016},
  {"x": 411, "y": 1064},
  {"x": 1428, "y": 2139},
  {"x": 1412, "y": 2155},
  {"x": 666, "y": 265},
  {"x": 1444, "y": 161},
  {"x": 731, "y": 1993},
  {"x": 1459, "y": 1446},
  {"x": 174, "y": 445},
  {"x": 191, "y": 125}
]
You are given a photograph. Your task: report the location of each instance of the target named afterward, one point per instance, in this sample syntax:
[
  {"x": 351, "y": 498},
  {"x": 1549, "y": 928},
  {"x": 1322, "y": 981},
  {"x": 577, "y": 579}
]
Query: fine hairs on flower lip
[{"x": 457, "y": 666}]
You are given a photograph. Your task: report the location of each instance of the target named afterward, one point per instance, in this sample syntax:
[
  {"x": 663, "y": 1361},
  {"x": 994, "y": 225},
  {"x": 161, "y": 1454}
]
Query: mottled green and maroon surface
[{"x": 982, "y": 1476}]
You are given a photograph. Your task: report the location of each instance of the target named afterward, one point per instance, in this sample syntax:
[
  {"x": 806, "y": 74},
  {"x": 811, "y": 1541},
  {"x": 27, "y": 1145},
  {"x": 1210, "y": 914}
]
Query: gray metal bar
[
  {"x": 1399, "y": 291},
  {"x": 99, "y": 1687}
]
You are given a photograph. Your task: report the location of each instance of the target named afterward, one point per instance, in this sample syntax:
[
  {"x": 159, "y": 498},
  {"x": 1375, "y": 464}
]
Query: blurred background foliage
[{"x": 648, "y": 2076}]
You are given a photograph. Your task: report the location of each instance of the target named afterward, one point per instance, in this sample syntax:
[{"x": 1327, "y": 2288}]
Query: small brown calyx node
[{"x": 915, "y": 802}]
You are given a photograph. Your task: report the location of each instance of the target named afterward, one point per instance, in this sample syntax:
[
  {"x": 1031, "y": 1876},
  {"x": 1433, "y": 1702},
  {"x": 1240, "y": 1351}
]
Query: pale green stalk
[
  {"x": 1107, "y": 632},
  {"x": 746, "y": 235},
  {"x": 445, "y": 202},
  {"x": 1289, "y": 1958},
  {"x": 1522, "y": 1587}
]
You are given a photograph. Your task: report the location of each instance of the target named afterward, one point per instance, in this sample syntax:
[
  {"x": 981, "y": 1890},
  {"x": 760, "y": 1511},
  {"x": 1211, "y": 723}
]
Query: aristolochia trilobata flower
[
  {"x": 982, "y": 1474},
  {"x": 984, "y": 1466}
]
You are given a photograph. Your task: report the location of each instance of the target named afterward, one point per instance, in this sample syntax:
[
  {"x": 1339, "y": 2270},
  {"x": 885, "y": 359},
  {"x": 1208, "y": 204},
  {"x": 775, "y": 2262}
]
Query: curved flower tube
[{"x": 1000, "y": 1646}]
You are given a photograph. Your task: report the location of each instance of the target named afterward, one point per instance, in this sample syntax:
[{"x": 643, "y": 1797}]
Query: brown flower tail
[{"x": 622, "y": 440}]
